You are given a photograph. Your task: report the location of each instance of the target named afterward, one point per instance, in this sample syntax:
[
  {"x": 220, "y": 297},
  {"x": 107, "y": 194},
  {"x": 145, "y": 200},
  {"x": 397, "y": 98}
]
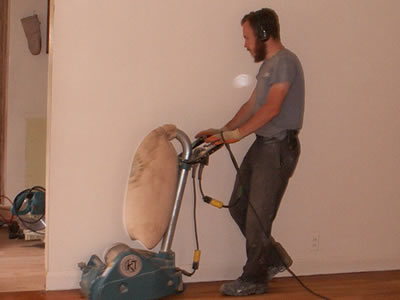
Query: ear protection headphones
[
  {"x": 261, "y": 30},
  {"x": 262, "y": 34}
]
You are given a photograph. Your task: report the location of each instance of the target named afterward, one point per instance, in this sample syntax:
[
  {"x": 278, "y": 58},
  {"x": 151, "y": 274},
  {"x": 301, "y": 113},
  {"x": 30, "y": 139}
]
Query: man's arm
[
  {"x": 268, "y": 111},
  {"x": 240, "y": 118},
  {"x": 243, "y": 114}
]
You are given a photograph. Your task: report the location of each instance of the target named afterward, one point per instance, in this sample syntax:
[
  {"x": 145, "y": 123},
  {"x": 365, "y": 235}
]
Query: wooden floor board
[
  {"x": 355, "y": 286},
  {"x": 22, "y": 269},
  {"x": 21, "y": 264}
]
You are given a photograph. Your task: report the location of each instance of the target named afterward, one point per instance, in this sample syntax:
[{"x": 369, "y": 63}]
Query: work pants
[{"x": 264, "y": 175}]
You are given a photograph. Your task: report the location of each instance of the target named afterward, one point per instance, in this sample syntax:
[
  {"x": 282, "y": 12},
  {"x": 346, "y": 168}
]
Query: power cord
[
  {"x": 7, "y": 222},
  {"x": 265, "y": 233},
  {"x": 196, "y": 256},
  {"x": 13, "y": 227},
  {"x": 219, "y": 204}
]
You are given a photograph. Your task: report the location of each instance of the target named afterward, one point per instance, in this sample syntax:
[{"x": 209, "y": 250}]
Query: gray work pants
[{"x": 264, "y": 175}]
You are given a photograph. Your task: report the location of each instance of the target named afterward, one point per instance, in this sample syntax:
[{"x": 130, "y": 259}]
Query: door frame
[{"x": 4, "y": 15}]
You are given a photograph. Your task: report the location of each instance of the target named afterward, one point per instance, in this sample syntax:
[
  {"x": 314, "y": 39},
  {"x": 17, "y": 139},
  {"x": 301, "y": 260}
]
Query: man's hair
[{"x": 264, "y": 22}]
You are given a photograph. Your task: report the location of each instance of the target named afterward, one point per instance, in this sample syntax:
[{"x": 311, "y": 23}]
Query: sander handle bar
[
  {"x": 201, "y": 154},
  {"x": 183, "y": 173},
  {"x": 186, "y": 162}
]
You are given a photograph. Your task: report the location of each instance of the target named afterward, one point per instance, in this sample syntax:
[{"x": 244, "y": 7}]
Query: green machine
[{"x": 136, "y": 274}]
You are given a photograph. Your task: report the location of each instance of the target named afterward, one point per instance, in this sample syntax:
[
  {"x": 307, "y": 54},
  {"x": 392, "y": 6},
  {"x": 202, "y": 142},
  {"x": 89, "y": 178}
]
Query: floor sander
[
  {"x": 29, "y": 209},
  {"x": 137, "y": 274}
]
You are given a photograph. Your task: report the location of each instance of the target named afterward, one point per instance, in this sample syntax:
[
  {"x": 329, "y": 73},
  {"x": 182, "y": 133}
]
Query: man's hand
[
  {"x": 229, "y": 137},
  {"x": 209, "y": 132}
]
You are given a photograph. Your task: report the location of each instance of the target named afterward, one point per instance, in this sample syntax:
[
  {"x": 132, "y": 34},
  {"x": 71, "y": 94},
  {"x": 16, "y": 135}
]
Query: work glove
[
  {"x": 209, "y": 132},
  {"x": 230, "y": 136}
]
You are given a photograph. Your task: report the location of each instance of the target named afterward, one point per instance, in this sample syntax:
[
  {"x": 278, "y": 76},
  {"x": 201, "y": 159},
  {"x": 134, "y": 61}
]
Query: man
[{"x": 274, "y": 112}]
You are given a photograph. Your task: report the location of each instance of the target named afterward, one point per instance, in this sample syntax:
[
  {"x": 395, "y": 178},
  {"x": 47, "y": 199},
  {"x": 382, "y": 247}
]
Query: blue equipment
[
  {"x": 29, "y": 201},
  {"x": 29, "y": 207},
  {"x": 139, "y": 274},
  {"x": 132, "y": 274},
  {"x": 135, "y": 274}
]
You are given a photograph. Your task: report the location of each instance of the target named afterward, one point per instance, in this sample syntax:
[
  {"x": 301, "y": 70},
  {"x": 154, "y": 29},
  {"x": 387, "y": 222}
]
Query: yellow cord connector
[
  {"x": 213, "y": 202},
  {"x": 196, "y": 259},
  {"x": 216, "y": 203}
]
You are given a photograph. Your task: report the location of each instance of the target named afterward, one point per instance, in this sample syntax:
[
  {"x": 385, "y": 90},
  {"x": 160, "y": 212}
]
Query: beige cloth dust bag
[{"x": 152, "y": 187}]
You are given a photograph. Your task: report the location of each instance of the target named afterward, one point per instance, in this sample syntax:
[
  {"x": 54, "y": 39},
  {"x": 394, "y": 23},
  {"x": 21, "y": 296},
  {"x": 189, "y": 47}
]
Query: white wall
[
  {"x": 26, "y": 94},
  {"x": 121, "y": 70}
]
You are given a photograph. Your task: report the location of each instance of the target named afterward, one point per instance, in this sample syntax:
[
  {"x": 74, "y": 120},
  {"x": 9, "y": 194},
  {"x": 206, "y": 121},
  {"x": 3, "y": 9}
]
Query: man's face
[{"x": 252, "y": 44}]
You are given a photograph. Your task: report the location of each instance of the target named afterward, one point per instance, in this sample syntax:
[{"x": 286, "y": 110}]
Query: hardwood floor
[
  {"x": 368, "y": 286},
  {"x": 22, "y": 269},
  {"x": 21, "y": 264}
]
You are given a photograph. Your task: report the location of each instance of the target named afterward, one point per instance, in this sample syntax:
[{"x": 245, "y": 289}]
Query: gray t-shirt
[{"x": 284, "y": 66}]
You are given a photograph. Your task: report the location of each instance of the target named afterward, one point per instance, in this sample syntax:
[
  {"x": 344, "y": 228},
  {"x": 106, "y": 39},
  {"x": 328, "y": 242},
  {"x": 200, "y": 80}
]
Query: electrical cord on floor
[
  {"x": 261, "y": 225},
  {"x": 7, "y": 222},
  {"x": 5, "y": 197},
  {"x": 3, "y": 221},
  {"x": 219, "y": 204}
]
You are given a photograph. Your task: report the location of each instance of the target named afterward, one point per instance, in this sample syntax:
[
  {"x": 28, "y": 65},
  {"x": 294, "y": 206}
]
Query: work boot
[
  {"x": 284, "y": 264},
  {"x": 239, "y": 287}
]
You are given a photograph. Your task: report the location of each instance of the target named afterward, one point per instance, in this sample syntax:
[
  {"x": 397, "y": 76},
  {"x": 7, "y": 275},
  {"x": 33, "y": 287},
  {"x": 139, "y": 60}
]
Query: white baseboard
[{"x": 67, "y": 280}]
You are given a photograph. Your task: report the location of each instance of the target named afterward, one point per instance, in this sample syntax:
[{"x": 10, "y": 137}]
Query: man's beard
[{"x": 260, "y": 51}]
